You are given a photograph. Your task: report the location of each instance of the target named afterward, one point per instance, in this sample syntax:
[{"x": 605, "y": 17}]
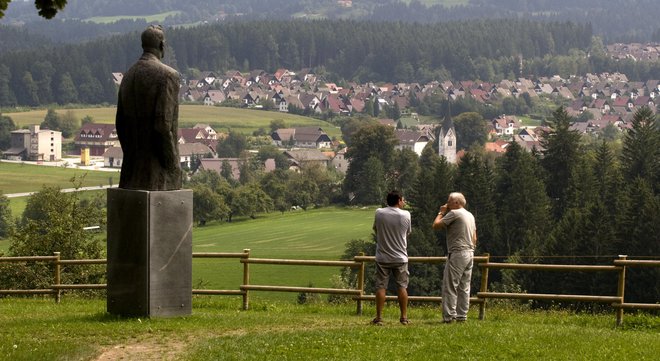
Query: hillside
[
  {"x": 615, "y": 20},
  {"x": 221, "y": 119}
]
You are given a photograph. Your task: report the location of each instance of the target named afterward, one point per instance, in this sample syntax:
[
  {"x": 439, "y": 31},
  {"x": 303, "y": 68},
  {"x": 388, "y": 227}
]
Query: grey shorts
[{"x": 398, "y": 270}]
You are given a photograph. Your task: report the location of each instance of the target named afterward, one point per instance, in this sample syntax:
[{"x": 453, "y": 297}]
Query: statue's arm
[{"x": 166, "y": 122}]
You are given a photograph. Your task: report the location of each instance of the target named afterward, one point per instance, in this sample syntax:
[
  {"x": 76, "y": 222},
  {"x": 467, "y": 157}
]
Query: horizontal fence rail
[{"x": 359, "y": 262}]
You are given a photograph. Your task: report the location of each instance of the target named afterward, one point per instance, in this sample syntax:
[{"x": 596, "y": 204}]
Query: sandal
[
  {"x": 377, "y": 321},
  {"x": 404, "y": 321}
]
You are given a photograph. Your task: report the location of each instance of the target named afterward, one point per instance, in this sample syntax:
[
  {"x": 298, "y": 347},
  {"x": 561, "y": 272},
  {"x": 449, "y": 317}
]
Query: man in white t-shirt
[
  {"x": 461, "y": 241},
  {"x": 392, "y": 226}
]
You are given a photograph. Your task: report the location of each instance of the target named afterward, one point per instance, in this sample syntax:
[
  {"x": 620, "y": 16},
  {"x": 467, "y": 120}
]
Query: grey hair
[{"x": 458, "y": 197}]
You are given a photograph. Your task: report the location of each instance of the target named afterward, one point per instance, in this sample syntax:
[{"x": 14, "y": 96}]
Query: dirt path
[{"x": 145, "y": 350}]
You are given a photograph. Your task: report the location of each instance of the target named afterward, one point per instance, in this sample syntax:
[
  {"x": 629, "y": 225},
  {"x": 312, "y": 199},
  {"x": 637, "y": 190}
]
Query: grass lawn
[
  {"x": 20, "y": 177},
  {"x": 529, "y": 122},
  {"x": 313, "y": 234},
  {"x": 221, "y": 119},
  {"x": 79, "y": 329},
  {"x": 149, "y": 19}
]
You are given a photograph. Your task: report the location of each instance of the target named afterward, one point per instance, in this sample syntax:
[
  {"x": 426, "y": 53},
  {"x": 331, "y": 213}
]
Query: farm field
[
  {"x": 221, "y": 119},
  {"x": 318, "y": 234},
  {"x": 157, "y": 18},
  {"x": 22, "y": 177},
  {"x": 79, "y": 329}
]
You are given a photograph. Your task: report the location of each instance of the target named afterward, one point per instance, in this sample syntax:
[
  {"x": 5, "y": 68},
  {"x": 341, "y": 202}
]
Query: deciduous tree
[
  {"x": 54, "y": 221},
  {"x": 6, "y": 127},
  {"x": 208, "y": 205},
  {"x": 46, "y": 8},
  {"x": 6, "y": 222}
]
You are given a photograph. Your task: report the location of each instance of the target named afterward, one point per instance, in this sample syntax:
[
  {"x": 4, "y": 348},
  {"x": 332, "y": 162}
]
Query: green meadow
[
  {"x": 158, "y": 18},
  {"x": 80, "y": 329},
  {"x": 22, "y": 177},
  {"x": 315, "y": 234},
  {"x": 221, "y": 119}
]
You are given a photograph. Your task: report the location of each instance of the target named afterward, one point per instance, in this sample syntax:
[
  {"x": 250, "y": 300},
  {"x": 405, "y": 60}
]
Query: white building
[{"x": 35, "y": 144}]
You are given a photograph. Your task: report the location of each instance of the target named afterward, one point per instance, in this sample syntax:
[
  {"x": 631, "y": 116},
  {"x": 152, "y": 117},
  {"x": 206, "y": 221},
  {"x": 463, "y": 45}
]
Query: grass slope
[
  {"x": 221, "y": 118},
  {"x": 313, "y": 234},
  {"x": 158, "y": 18},
  {"x": 219, "y": 330},
  {"x": 20, "y": 177}
]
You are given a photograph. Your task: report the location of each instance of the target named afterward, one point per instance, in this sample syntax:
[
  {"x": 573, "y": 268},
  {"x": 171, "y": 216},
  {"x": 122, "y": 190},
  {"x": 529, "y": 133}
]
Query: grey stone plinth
[{"x": 149, "y": 253}]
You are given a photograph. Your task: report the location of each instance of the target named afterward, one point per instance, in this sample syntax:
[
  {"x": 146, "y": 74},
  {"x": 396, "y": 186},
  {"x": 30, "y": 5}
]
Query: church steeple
[{"x": 447, "y": 138}]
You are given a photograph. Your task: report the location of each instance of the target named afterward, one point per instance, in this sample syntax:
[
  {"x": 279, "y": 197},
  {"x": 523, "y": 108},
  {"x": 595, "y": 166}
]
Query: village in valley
[{"x": 596, "y": 101}]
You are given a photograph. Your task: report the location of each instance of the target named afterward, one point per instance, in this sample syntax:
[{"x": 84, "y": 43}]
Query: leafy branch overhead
[{"x": 47, "y": 8}]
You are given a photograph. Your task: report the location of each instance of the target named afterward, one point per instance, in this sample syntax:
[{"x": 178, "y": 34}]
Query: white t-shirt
[
  {"x": 392, "y": 226},
  {"x": 460, "y": 229}
]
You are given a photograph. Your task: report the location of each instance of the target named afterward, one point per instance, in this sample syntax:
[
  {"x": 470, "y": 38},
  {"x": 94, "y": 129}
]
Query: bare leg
[
  {"x": 380, "y": 302},
  {"x": 403, "y": 302}
]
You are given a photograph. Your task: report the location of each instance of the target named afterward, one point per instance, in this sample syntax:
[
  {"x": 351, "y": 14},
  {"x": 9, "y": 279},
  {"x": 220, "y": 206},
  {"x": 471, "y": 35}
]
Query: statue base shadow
[{"x": 149, "y": 267}]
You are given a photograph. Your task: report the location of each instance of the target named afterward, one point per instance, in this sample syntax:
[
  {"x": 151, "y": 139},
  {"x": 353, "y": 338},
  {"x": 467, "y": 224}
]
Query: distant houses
[
  {"x": 303, "y": 137},
  {"x": 412, "y": 139},
  {"x": 598, "y": 101}
]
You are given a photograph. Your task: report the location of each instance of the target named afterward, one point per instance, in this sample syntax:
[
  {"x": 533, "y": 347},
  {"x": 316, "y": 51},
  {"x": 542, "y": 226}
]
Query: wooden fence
[{"x": 617, "y": 301}]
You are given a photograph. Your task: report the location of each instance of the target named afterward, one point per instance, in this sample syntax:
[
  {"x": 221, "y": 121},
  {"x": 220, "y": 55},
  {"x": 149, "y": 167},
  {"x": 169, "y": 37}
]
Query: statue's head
[{"x": 153, "y": 40}]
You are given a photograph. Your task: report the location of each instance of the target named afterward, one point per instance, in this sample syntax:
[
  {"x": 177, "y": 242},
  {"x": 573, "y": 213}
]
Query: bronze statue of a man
[{"x": 147, "y": 119}]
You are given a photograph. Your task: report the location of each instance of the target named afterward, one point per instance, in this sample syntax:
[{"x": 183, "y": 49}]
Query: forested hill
[
  {"x": 613, "y": 20},
  {"x": 362, "y": 51}
]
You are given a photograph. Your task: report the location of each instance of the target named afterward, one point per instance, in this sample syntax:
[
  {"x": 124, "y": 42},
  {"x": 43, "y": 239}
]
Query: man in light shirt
[
  {"x": 461, "y": 241},
  {"x": 392, "y": 226}
]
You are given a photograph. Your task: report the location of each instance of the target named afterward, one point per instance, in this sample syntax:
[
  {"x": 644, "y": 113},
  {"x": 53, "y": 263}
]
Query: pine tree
[
  {"x": 476, "y": 180},
  {"x": 432, "y": 186},
  {"x": 522, "y": 204},
  {"x": 561, "y": 155},
  {"x": 639, "y": 236},
  {"x": 641, "y": 149}
]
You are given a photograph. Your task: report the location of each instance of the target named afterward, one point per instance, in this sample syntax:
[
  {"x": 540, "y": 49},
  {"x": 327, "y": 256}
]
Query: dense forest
[
  {"x": 360, "y": 51},
  {"x": 486, "y": 50},
  {"x": 613, "y": 20}
]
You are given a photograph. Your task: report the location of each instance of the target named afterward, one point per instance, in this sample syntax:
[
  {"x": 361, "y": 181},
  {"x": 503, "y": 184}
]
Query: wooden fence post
[
  {"x": 360, "y": 286},
  {"x": 246, "y": 279},
  {"x": 621, "y": 291},
  {"x": 484, "y": 288},
  {"x": 58, "y": 279}
]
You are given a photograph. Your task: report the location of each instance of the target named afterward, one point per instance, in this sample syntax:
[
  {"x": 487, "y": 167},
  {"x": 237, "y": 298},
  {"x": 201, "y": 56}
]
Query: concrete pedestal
[{"x": 149, "y": 253}]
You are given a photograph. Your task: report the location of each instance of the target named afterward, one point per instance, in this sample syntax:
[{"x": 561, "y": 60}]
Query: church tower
[{"x": 447, "y": 139}]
